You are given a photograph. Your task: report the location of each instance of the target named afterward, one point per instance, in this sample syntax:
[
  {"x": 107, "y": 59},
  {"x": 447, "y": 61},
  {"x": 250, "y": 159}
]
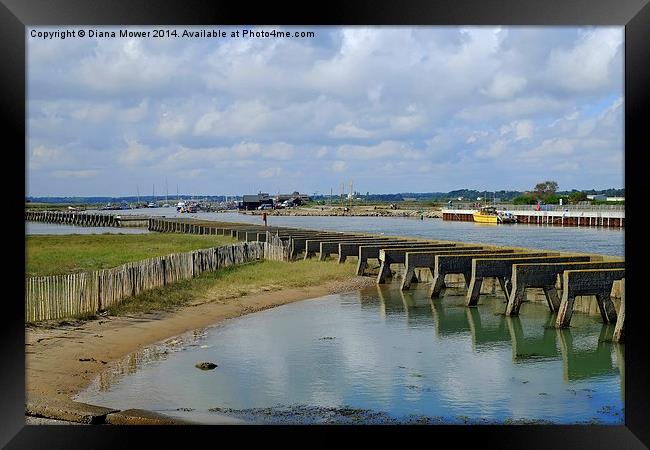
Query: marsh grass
[
  {"x": 234, "y": 282},
  {"x": 38, "y": 206},
  {"x": 56, "y": 255}
]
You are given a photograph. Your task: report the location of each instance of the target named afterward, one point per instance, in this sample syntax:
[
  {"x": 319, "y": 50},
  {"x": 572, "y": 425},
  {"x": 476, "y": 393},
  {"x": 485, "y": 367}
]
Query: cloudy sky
[{"x": 401, "y": 109}]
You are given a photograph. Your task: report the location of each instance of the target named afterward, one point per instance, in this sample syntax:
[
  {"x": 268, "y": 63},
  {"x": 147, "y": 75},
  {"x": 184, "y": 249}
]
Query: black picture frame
[{"x": 15, "y": 15}]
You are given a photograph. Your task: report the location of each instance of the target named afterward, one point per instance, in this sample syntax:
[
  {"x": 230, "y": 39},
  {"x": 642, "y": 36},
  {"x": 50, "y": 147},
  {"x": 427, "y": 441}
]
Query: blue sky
[{"x": 393, "y": 109}]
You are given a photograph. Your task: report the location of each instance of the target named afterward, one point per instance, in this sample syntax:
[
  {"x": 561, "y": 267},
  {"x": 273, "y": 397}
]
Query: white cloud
[
  {"x": 117, "y": 65},
  {"x": 349, "y": 130},
  {"x": 505, "y": 86},
  {"x": 93, "y": 112},
  {"x": 170, "y": 126},
  {"x": 589, "y": 63},
  {"x": 75, "y": 173},
  {"x": 551, "y": 148},
  {"x": 271, "y": 172},
  {"x": 407, "y": 122},
  {"x": 43, "y": 156},
  {"x": 339, "y": 166},
  {"x": 454, "y": 101},
  {"x": 136, "y": 113},
  {"x": 385, "y": 149},
  {"x": 524, "y": 129},
  {"x": 494, "y": 151},
  {"x": 522, "y": 107},
  {"x": 135, "y": 154}
]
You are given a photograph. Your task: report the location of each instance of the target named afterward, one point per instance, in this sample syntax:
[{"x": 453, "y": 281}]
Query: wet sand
[{"x": 62, "y": 360}]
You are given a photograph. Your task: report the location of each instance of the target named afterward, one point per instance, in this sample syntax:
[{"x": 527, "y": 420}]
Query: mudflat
[{"x": 63, "y": 359}]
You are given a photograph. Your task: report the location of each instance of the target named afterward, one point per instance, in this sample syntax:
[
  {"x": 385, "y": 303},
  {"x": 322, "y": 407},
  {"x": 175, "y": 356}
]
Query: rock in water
[{"x": 206, "y": 365}]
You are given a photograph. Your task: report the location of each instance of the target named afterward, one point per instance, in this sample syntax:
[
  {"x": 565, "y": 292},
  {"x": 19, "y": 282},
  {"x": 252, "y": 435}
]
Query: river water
[
  {"x": 380, "y": 356},
  {"x": 606, "y": 241}
]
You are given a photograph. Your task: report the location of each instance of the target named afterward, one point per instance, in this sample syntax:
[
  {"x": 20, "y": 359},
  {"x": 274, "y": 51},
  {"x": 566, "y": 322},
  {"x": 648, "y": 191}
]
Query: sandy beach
[{"x": 63, "y": 359}]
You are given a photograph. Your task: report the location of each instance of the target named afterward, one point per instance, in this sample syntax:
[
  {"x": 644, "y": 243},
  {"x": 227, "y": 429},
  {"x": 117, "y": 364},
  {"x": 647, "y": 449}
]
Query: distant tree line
[{"x": 545, "y": 191}]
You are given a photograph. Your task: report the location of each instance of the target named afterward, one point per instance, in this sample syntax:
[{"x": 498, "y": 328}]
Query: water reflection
[
  {"x": 487, "y": 328},
  {"x": 536, "y": 342},
  {"x": 449, "y": 319},
  {"x": 532, "y": 337},
  {"x": 586, "y": 361},
  {"x": 619, "y": 351},
  {"x": 386, "y": 350},
  {"x": 147, "y": 355}
]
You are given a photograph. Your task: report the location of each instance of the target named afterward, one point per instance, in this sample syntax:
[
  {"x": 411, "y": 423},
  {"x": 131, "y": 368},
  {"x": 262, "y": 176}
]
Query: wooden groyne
[
  {"x": 56, "y": 297},
  {"x": 86, "y": 219},
  {"x": 568, "y": 218}
]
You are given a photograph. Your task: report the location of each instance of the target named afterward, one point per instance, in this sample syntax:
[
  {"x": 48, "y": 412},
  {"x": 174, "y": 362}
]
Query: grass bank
[
  {"x": 55, "y": 255},
  {"x": 234, "y": 282},
  {"x": 37, "y": 206}
]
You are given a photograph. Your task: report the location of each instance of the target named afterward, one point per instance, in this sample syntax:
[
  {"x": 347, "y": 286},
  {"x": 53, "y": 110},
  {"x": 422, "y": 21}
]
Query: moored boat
[
  {"x": 489, "y": 214},
  {"x": 486, "y": 215}
]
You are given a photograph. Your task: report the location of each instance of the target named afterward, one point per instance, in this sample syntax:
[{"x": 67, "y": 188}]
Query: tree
[
  {"x": 525, "y": 199},
  {"x": 546, "y": 188},
  {"x": 577, "y": 196}
]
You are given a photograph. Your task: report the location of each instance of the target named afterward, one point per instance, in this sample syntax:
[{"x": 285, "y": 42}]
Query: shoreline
[
  {"x": 339, "y": 212},
  {"x": 63, "y": 360}
]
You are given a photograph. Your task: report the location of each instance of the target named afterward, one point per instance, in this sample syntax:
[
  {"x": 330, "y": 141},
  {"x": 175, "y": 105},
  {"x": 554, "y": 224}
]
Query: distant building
[
  {"x": 250, "y": 202},
  {"x": 409, "y": 199},
  {"x": 296, "y": 198},
  {"x": 597, "y": 197}
]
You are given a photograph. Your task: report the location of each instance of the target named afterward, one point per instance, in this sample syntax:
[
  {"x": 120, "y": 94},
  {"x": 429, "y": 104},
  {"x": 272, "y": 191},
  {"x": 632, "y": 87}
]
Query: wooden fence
[
  {"x": 56, "y": 297},
  {"x": 275, "y": 249}
]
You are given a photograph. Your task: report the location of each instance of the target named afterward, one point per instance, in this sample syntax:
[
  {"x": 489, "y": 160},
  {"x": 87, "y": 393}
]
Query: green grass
[
  {"x": 55, "y": 255},
  {"x": 234, "y": 282},
  {"x": 36, "y": 206}
]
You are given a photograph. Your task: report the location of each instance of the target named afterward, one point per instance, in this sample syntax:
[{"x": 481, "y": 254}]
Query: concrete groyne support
[
  {"x": 619, "y": 330},
  {"x": 501, "y": 269},
  {"x": 366, "y": 252},
  {"x": 330, "y": 245},
  {"x": 597, "y": 282},
  {"x": 544, "y": 276},
  {"x": 389, "y": 256},
  {"x": 425, "y": 259},
  {"x": 444, "y": 265}
]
